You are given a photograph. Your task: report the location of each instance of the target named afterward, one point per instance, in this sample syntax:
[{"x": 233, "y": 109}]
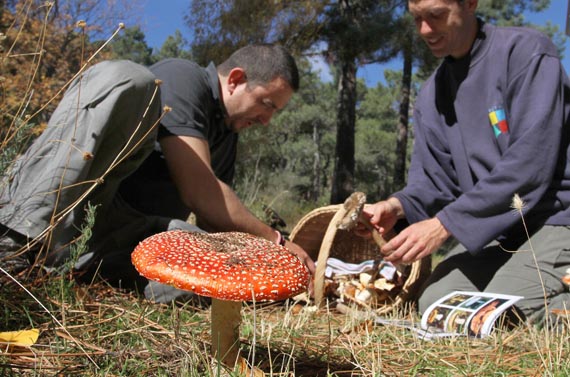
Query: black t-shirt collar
[{"x": 215, "y": 84}]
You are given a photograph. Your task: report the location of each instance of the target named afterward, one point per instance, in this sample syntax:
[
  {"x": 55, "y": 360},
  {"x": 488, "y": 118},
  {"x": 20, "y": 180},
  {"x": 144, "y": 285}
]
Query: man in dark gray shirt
[
  {"x": 105, "y": 129},
  {"x": 193, "y": 94}
]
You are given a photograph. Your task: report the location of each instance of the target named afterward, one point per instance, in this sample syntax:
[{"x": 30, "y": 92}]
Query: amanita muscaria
[{"x": 230, "y": 268}]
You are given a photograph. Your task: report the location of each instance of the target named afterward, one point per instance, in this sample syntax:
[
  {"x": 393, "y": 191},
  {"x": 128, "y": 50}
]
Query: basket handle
[{"x": 324, "y": 252}]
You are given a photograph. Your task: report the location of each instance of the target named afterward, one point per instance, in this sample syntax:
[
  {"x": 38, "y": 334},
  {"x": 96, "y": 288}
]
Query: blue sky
[{"x": 162, "y": 17}]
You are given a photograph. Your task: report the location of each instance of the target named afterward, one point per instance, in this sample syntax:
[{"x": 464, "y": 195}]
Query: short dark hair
[{"x": 263, "y": 63}]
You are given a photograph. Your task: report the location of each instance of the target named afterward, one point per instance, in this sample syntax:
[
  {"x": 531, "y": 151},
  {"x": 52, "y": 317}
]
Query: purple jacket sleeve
[{"x": 432, "y": 181}]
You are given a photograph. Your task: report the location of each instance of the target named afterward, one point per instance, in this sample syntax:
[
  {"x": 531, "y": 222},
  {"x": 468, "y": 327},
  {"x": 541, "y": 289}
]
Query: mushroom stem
[
  {"x": 226, "y": 319},
  {"x": 376, "y": 236},
  {"x": 380, "y": 241}
]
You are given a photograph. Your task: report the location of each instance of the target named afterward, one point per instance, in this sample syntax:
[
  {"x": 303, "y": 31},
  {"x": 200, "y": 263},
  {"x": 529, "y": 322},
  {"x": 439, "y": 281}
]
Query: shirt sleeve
[
  {"x": 432, "y": 181},
  {"x": 184, "y": 89}
]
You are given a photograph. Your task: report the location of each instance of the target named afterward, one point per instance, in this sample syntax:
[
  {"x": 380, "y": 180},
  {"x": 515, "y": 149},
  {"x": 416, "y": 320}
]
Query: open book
[{"x": 459, "y": 314}]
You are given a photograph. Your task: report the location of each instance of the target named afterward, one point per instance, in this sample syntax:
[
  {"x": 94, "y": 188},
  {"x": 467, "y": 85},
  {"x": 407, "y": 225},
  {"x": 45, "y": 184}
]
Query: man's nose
[
  {"x": 424, "y": 28},
  {"x": 264, "y": 120},
  {"x": 266, "y": 117}
]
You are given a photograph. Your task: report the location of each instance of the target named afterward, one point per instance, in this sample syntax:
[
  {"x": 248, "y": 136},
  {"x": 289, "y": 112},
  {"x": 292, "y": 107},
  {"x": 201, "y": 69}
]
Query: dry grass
[{"x": 125, "y": 335}]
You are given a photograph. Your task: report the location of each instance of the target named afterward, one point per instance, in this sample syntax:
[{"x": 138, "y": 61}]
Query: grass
[{"x": 125, "y": 335}]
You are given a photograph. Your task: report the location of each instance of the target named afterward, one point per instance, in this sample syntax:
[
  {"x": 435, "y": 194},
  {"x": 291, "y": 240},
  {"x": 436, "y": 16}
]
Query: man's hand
[
  {"x": 415, "y": 242},
  {"x": 306, "y": 259},
  {"x": 302, "y": 255},
  {"x": 382, "y": 215}
]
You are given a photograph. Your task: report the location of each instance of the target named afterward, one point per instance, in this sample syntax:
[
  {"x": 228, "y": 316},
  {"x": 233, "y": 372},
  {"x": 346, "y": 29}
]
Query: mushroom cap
[
  {"x": 230, "y": 266},
  {"x": 353, "y": 206}
]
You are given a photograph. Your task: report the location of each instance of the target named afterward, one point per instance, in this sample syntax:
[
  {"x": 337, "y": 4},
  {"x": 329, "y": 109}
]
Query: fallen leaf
[{"x": 23, "y": 338}]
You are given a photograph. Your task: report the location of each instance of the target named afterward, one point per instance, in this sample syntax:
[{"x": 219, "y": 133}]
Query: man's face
[
  {"x": 447, "y": 26},
  {"x": 247, "y": 106}
]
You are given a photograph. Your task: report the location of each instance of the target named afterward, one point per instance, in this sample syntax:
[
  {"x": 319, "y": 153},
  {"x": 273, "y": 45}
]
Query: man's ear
[
  {"x": 236, "y": 77},
  {"x": 472, "y": 5}
]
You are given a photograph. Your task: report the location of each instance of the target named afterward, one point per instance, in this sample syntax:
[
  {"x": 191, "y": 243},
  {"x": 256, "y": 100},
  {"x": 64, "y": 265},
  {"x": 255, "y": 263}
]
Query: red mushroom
[{"x": 228, "y": 267}]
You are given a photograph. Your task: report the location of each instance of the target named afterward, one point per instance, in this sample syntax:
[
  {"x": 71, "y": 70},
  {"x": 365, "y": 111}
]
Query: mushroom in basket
[{"x": 354, "y": 206}]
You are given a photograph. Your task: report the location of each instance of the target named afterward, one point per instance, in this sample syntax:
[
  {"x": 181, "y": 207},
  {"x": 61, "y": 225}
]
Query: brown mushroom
[
  {"x": 228, "y": 267},
  {"x": 353, "y": 206}
]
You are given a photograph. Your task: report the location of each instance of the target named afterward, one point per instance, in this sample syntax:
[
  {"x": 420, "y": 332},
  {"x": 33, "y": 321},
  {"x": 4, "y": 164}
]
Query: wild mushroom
[
  {"x": 353, "y": 206},
  {"x": 228, "y": 267}
]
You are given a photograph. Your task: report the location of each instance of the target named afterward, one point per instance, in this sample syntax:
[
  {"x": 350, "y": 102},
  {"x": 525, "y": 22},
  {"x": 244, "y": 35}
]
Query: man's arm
[{"x": 214, "y": 202}]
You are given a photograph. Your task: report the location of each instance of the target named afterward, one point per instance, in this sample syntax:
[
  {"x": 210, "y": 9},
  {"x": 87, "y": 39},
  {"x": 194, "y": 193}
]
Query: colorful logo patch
[{"x": 498, "y": 121}]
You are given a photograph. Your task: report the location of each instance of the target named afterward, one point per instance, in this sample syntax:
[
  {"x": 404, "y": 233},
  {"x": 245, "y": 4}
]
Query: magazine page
[
  {"x": 415, "y": 327},
  {"x": 466, "y": 313}
]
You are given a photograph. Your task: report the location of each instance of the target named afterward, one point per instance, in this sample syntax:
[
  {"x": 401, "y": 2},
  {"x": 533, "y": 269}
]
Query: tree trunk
[
  {"x": 343, "y": 177},
  {"x": 568, "y": 19},
  {"x": 402, "y": 137},
  {"x": 317, "y": 169}
]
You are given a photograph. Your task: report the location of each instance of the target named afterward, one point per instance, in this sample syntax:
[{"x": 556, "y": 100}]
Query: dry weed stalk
[{"x": 518, "y": 206}]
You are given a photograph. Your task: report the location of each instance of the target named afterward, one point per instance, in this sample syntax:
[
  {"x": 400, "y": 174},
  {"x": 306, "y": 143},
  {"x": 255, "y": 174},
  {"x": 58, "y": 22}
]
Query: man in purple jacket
[{"x": 491, "y": 122}]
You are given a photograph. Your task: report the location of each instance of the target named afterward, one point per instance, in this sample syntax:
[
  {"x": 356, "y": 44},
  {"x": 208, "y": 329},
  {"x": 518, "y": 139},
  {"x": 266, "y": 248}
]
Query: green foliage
[
  {"x": 80, "y": 246},
  {"x": 509, "y": 13},
  {"x": 131, "y": 45},
  {"x": 14, "y": 142},
  {"x": 374, "y": 159},
  {"x": 377, "y": 118},
  {"x": 361, "y": 29},
  {"x": 557, "y": 36},
  {"x": 175, "y": 46},
  {"x": 221, "y": 26},
  {"x": 380, "y": 104}
]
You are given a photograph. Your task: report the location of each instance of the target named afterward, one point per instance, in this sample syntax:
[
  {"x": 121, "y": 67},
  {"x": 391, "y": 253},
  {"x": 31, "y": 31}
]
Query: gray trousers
[
  {"x": 108, "y": 112},
  {"x": 497, "y": 271}
]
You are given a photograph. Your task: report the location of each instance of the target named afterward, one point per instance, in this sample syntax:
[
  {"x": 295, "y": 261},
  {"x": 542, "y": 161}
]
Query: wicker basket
[{"x": 318, "y": 233}]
